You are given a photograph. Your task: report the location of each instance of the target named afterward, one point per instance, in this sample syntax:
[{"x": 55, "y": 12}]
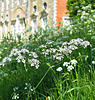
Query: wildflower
[
  {"x": 69, "y": 68},
  {"x": 92, "y": 56},
  {"x": 33, "y": 89},
  {"x": 4, "y": 59},
  {"x": 18, "y": 60},
  {"x": 15, "y": 96},
  {"x": 53, "y": 50},
  {"x": 61, "y": 49},
  {"x": 16, "y": 88},
  {"x": 58, "y": 58},
  {"x": 26, "y": 84},
  {"x": 72, "y": 47},
  {"x": 42, "y": 46},
  {"x": 24, "y": 50},
  {"x": 64, "y": 43},
  {"x": 15, "y": 54},
  {"x": 20, "y": 57},
  {"x": 52, "y": 66},
  {"x": 59, "y": 69},
  {"x": 3, "y": 64},
  {"x": 30, "y": 54},
  {"x": 1, "y": 72},
  {"x": 66, "y": 64},
  {"x": 1, "y": 79},
  {"x": 25, "y": 88},
  {"x": 5, "y": 74},
  {"x": 73, "y": 62},
  {"x": 76, "y": 7},
  {"x": 50, "y": 42},
  {"x": 93, "y": 49},
  {"x": 9, "y": 59},
  {"x": 32, "y": 64},
  {"x": 85, "y": 44},
  {"x": 93, "y": 62},
  {"x": 35, "y": 55},
  {"x": 37, "y": 66},
  {"x": 23, "y": 61}
]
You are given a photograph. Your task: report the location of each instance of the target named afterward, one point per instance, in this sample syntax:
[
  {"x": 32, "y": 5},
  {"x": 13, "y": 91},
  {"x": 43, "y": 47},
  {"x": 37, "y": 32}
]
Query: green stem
[{"x": 42, "y": 78}]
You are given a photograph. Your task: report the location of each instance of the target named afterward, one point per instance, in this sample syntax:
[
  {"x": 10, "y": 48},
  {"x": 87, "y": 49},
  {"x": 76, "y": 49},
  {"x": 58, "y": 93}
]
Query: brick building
[{"x": 16, "y": 16}]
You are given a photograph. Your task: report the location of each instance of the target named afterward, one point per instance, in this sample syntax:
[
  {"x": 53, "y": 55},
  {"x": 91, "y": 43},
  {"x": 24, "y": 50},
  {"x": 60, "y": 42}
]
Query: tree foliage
[{"x": 75, "y": 5}]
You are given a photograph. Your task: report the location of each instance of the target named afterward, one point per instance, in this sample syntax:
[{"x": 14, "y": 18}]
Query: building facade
[{"x": 16, "y": 16}]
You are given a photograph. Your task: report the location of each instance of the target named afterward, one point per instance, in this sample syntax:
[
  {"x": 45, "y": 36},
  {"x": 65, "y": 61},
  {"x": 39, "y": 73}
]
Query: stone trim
[{"x": 54, "y": 12}]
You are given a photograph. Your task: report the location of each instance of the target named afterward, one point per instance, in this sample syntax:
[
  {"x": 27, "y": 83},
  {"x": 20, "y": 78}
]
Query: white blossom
[
  {"x": 5, "y": 74},
  {"x": 14, "y": 89},
  {"x": 42, "y": 46},
  {"x": 59, "y": 69},
  {"x": 85, "y": 44},
  {"x": 1, "y": 72},
  {"x": 25, "y": 88},
  {"x": 69, "y": 68},
  {"x": 73, "y": 62},
  {"x": 66, "y": 64},
  {"x": 24, "y": 50},
  {"x": 15, "y": 96},
  {"x": 23, "y": 61},
  {"x": 93, "y": 62}
]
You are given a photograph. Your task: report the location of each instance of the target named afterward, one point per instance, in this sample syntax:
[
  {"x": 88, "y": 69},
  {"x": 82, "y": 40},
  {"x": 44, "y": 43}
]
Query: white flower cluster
[
  {"x": 15, "y": 89},
  {"x": 66, "y": 48},
  {"x": 59, "y": 69},
  {"x": 93, "y": 62},
  {"x": 50, "y": 42},
  {"x": 70, "y": 65},
  {"x": 85, "y": 44},
  {"x": 5, "y": 60},
  {"x": 15, "y": 96},
  {"x": 14, "y": 52},
  {"x": 42, "y": 46},
  {"x": 34, "y": 62},
  {"x": 84, "y": 10},
  {"x": 21, "y": 56},
  {"x": 87, "y": 7},
  {"x": 29, "y": 88}
]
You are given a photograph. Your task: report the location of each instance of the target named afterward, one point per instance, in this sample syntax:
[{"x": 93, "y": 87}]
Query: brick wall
[{"x": 61, "y": 10}]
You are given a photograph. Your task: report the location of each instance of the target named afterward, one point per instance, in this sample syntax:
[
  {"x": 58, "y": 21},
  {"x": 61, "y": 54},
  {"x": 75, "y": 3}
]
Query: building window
[
  {"x": 13, "y": 30},
  {"x": 45, "y": 5},
  {"x": 1, "y": 31},
  {"x": 7, "y": 17},
  {"x": 35, "y": 8},
  {"x": 34, "y": 25},
  {"x": 6, "y": 28},
  {"x": 2, "y": 8},
  {"x": 66, "y": 21},
  {"x": 7, "y": 4},
  {"x": 12, "y": 3},
  {"x": 22, "y": 27},
  {"x": 44, "y": 22},
  {"x": 1, "y": 18},
  {"x": 18, "y": 2},
  {"x": 18, "y": 24}
]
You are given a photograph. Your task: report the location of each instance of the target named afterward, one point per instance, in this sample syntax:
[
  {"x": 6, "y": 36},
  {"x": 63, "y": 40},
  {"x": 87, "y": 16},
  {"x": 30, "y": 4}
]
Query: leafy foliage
[{"x": 75, "y": 5}]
